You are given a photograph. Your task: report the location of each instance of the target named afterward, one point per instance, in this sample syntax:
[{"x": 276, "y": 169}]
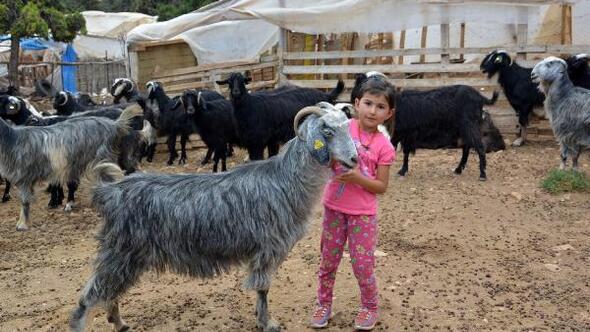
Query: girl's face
[{"x": 372, "y": 111}]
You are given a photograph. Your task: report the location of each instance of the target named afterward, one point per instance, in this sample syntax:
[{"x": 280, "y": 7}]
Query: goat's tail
[
  {"x": 336, "y": 92},
  {"x": 491, "y": 101},
  {"x": 128, "y": 113},
  {"x": 105, "y": 172}
]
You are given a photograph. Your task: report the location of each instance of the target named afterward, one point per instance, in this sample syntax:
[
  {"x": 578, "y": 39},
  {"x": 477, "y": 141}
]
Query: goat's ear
[
  {"x": 177, "y": 102},
  {"x": 222, "y": 82},
  {"x": 247, "y": 80}
]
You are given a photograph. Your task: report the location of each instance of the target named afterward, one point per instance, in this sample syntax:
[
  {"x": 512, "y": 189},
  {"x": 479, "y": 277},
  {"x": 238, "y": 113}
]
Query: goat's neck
[
  {"x": 7, "y": 135},
  {"x": 162, "y": 99},
  {"x": 297, "y": 160},
  {"x": 556, "y": 91},
  {"x": 506, "y": 75}
]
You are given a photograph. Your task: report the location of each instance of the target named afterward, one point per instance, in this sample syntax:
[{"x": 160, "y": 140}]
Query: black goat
[
  {"x": 518, "y": 87},
  {"x": 124, "y": 88},
  {"x": 160, "y": 112},
  {"x": 578, "y": 70},
  {"x": 441, "y": 117},
  {"x": 214, "y": 122},
  {"x": 265, "y": 118}
]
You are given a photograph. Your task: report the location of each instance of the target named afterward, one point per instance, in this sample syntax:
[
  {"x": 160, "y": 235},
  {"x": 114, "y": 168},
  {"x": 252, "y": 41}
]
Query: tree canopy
[{"x": 164, "y": 9}]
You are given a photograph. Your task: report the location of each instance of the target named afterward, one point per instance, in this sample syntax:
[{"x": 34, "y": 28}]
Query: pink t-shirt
[{"x": 351, "y": 198}]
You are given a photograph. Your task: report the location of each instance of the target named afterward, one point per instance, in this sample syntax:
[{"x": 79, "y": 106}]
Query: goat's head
[
  {"x": 347, "y": 108},
  {"x": 121, "y": 86},
  {"x": 237, "y": 84},
  {"x": 494, "y": 61},
  {"x": 490, "y": 135},
  {"x": 152, "y": 87},
  {"x": 547, "y": 71},
  {"x": 191, "y": 100},
  {"x": 9, "y": 91},
  {"x": 577, "y": 64},
  {"x": 326, "y": 134},
  {"x": 61, "y": 99},
  {"x": 10, "y": 105}
]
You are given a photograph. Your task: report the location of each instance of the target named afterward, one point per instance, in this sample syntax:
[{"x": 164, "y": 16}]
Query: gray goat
[
  {"x": 59, "y": 153},
  {"x": 202, "y": 224},
  {"x": 567, "y": 106}
]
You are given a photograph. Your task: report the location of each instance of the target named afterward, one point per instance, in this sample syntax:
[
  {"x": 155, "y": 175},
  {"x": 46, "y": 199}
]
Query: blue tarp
[
  {"x": 68, "y": 73},
  {"x": 33, "y": 44}
]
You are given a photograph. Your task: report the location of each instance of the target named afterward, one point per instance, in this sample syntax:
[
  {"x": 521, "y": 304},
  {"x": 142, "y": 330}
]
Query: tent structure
[{"x": 240, "y": 30}]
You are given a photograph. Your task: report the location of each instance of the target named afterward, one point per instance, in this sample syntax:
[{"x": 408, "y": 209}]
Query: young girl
[{"x": 350, "y": 205}]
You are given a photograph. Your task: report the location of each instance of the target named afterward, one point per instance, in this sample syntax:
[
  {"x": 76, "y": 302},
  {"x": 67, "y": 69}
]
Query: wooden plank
[
  {"x": 427, "y": 51},
  {"x": 402, "y": 44},
  {"x": 423, "y": 42},
  {"x": 389, "y": 68},
  {"x": 226, "y": 70},
  {"x": 521, "y": 39},
  {"x": 200, "y": 68},
  {"x": 462, "y": 41},
  {"x": 426, "y": 82}
]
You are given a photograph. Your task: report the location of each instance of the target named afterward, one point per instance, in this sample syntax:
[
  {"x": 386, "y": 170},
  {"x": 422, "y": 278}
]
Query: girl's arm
[{"x": 376, "y": 186}]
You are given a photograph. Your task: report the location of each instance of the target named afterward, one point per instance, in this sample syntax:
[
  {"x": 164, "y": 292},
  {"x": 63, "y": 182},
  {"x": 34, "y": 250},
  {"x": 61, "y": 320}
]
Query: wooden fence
[{"x": 91, "y": 77}]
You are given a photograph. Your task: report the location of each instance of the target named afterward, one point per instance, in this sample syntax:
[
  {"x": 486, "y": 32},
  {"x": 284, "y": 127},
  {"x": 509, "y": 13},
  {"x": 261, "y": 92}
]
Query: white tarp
[
  {"x": 106, "y": 33},
  {"x": 241, "y": 29}
]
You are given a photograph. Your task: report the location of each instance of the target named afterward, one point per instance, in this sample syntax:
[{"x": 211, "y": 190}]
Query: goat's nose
[{"x": 354, "y": 160}]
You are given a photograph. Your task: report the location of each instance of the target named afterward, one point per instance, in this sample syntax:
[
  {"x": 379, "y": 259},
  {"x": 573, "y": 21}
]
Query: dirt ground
[{"x": 461, "y": 255}]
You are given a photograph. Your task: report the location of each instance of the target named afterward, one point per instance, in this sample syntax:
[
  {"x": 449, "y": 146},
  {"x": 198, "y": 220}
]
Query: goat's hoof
[
  {"x": 458, "y": 171},
  {"x": 204, "y": 162},
  {"x": 69, "y": 207},
  {"x": 22, "y": 227},
  {"x": 518, "y": 142},
  {"x": 181, "y": 161},
  {"x": 482, "y": 178},
  {"x": 272, "y": 326},
  {"x": 124, "y": 328},
  {"x": 52, "y": 205},
  {"x": 5, "y": 198}
]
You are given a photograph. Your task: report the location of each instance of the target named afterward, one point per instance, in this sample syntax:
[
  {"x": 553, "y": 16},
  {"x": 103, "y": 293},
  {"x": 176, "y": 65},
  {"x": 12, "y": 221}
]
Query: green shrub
[{"x": 559, "y": 181}]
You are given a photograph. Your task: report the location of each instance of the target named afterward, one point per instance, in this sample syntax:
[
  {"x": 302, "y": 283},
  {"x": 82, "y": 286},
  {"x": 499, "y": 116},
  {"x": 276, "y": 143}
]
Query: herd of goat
[{"x": 202, "y": 224}]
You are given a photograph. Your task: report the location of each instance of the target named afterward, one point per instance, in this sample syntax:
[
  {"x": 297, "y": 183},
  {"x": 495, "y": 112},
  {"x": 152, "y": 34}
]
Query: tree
[{"x": 36, "y": 18}]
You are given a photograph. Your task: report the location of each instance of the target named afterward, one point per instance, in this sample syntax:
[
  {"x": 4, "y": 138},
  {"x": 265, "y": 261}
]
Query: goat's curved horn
[
  {"x": 301, "y": 114},
  {"x": 119, "y": 89},
  {"x": 582, "y": 56},
  {"x": 63, "y": 93},
  {"x": 13, "y": 101},
  {"x": 199, "y": 98}
]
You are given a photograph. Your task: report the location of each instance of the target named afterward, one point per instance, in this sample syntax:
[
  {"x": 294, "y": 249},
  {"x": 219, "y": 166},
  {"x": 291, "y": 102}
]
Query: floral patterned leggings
[{"x": 361, "y": 233}]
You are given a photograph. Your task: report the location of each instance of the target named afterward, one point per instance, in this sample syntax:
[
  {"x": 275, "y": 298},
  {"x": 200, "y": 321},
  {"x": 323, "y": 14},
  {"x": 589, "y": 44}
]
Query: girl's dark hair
[{"x": 379, "y": 86}]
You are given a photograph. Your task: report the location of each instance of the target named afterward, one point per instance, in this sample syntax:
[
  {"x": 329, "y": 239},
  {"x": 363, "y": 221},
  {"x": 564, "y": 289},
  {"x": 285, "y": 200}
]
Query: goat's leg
[
  {"x": 463, "y": 160},
  {"x": 151, "y": 151},
  {"x": 575, "y": 155},
  {"x": 482, "y": 162},
  {"x": 563, "y": 152},
  {"x": 88, "y": 300},
  {"x": 6, "y": 196},
  {"x": 183, "y": 157},
  {"x": 216, "y": 157},
  {"x": 273, "y": 149},
  {"x": 26, "y": 196},
  {"x": 404, "y": 170},
  {"x": 523, "y": 121},
  {"x": 207, "y": 156},
  {"x": 114, "y": 317},
  {"x": 263, "y": 320},
  {"x": 256, "y": 152},
  {"x": 56, "y": 196},
  {"x": 72, "y": 187},
  {"x": 172, "y": 149}
]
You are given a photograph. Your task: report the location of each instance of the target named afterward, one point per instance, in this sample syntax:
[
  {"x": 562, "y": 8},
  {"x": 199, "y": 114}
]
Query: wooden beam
[
  {"x": 423, "y": 36},
  {"x": 566, "y": 24},
  {"x": 451, "y": 50},
  {"x": 387, "y": 68},
  {"x": 462, "y": 41},
  {"x": 402, "y": 45}
]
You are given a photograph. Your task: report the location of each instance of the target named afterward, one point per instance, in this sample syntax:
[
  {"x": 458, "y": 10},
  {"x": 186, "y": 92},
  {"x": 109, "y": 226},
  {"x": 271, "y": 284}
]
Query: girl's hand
[{"x": 352, "y": 176}]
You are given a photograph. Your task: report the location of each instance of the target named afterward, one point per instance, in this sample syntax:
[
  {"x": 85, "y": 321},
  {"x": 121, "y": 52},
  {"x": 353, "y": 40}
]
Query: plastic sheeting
[
  {"x": 242, "y": 29},
  {"x": 69, "y": 72},
  {"x": 114, "y": 25}
]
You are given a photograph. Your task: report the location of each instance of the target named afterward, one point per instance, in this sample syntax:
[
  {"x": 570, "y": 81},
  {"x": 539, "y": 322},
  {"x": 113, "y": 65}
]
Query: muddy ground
[{"x": 461, "y": 255}]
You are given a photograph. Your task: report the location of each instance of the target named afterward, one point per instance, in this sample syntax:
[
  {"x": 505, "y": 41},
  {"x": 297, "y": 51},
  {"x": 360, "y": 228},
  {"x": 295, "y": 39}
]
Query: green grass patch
[{"x": 560, "y": 181}]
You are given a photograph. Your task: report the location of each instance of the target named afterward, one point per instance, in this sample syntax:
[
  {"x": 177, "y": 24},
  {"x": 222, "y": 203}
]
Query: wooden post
[
  {"x": 566, "y": 25},
  {"x": 281, "y": 78},
  {"x": 402, "y": 45},
  {"x": 462, "y": 42},
  {"x": 423, "y": 42},
  {"x": 521, "y": 39},
  {"x": 444, "y": 44}
]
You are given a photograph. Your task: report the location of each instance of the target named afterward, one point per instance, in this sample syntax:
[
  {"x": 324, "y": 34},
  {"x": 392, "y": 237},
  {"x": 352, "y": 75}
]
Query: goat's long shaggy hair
[
  {"x": 568, "y": 107},
  {"x": 60, "y": 152}
]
